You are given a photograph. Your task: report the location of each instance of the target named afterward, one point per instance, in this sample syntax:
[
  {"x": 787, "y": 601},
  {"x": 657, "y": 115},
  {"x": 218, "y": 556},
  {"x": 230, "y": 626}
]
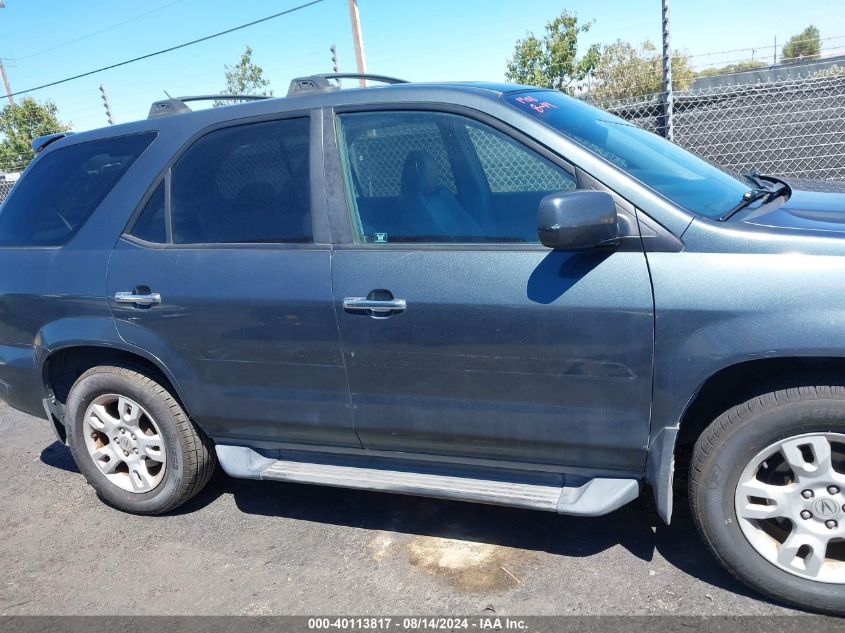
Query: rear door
[
  {"x": 224, "y": 277},
  {"x": 462, "y": 335}
]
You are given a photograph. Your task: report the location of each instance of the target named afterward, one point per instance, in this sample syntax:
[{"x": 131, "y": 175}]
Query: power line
[
  {"x": 103, "y": 30},
  {"x": 171, "y": 48}
]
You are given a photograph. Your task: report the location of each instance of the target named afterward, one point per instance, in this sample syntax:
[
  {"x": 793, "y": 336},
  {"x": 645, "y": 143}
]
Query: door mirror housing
[{"x": 577, "y": 220}]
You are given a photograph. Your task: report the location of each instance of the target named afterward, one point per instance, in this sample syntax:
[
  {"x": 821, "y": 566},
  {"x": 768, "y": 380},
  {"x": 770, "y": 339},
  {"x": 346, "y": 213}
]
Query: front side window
[
  {"x": 244, "y": 184},
  {"x": 418, "y": 177},
  {"x": 61, "y": 191},
  {"x": 511, "y": 169}
]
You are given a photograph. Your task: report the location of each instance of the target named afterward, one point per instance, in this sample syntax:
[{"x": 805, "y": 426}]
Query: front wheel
[
  {"x": 133, "y": 441},
  {"x": 767, "y": 490}
]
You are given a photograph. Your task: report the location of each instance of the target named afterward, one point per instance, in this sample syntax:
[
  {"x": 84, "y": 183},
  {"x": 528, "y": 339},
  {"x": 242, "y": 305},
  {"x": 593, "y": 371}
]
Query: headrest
[{"x": 420, "y": 174}]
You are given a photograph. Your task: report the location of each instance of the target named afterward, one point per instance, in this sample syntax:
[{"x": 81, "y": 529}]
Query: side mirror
[{"x": 577, "y": 220}]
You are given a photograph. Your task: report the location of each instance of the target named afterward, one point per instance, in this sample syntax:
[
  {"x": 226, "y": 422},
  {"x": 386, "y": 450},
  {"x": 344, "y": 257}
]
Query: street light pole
[{"x": 6, "y": 85}]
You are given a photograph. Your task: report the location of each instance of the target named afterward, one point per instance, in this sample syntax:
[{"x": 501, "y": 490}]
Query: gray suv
[{"x": 482, "y": 292}]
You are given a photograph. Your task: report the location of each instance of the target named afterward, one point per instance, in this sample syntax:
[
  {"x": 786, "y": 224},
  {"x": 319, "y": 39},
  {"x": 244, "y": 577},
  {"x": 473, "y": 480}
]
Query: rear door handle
[
  {"x": 362, "y": 304},
  {"x": 150, "y": 299}
]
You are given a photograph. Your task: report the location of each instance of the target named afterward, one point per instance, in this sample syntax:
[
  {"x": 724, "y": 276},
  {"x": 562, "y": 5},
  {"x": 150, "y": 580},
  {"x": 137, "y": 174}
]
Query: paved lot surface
[{"x": 246, "y": 547}]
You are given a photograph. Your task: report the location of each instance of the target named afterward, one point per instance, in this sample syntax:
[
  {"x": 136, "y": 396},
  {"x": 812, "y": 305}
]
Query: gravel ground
[{"x": 248, "y": 547}]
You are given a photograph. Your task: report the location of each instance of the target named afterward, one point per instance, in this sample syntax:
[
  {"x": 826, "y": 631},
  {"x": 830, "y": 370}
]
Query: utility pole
[
  {"x": 667, "y": 76},
  {"x": 3, "y": 73},
  {"x": 6, "y": 85},
  {"x": 354, "y": 18},
  {"x": 776, "y": 50},
  {"x": 105, "y": 98}
]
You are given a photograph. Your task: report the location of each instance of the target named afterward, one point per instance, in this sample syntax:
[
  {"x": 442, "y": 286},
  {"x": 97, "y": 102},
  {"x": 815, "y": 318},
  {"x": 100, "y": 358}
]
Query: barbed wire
[
  {"x": 638, "y": 85},
  {"x": 766, "y": 46},
  {"x": 655, "y": 57},
  {"x": 783, "y": 61},
  {"x": 792, "y": 127}
]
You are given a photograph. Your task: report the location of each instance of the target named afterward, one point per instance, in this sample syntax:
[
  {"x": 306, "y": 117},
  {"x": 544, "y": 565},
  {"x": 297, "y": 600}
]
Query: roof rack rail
[
  {"x": 321, "y": 83},
  {"x": 177, "y": 105}
]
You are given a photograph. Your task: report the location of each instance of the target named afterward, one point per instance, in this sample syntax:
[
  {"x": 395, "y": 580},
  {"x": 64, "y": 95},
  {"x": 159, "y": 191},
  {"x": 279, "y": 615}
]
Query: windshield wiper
[
  {"x": 781, "y": 186},
  {"x": 749, "y": 197},
  {"x": 777, "y": 186},
  {"x": 767, "y": 187},
  {"x": 756, "y": 179}
]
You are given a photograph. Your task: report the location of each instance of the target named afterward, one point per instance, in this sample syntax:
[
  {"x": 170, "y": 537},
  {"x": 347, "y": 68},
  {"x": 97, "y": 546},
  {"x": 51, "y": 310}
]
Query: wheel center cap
[
  {"x": 825, "y": 508},
  {"x": 126, "y": 443}
]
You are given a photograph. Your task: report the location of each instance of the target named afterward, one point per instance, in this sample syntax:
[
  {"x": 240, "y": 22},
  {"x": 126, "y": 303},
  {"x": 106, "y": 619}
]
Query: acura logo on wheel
[{"x": 825, "y": 508}]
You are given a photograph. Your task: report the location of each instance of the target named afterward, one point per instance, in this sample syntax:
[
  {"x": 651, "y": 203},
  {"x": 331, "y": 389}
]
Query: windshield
[{"x": 684, "y": 178}]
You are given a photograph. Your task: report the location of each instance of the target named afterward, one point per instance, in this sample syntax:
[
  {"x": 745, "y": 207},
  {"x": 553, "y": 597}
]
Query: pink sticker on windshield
[{"x": 535, "y": 104}]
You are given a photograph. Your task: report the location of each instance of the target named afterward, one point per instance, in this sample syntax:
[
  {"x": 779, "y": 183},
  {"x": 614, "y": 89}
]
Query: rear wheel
[
  {"x": 133, "y": 441},
  {"x": 767, "y": 490}
]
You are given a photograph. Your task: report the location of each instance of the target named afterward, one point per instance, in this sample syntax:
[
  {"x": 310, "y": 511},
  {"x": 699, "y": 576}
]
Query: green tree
[
  {"x": 552, "y": 61},
  {"x": 806, "y": 45},
  {"x": 244, "y": 78},
  {"x": 751, "y": 64},
  {"x": 625, "y": 71},
  {"x": 20, "y": 123}
]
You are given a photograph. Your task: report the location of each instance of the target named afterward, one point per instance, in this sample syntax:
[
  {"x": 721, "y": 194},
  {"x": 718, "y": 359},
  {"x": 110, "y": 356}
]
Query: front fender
[{"x": 716, "y": 310}]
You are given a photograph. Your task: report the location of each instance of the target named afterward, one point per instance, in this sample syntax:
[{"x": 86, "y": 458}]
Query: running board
[{"x": 590, "y": 497}]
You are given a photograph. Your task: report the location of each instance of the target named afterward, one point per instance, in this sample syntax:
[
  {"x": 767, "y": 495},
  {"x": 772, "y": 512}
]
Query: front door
[
  {"x": 221, "y": 279},
  {"x": 462, "y": 335}
]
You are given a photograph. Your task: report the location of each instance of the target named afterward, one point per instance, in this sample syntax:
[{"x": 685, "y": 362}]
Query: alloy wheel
[
  {"x": 790, "y": 505},
  {"x": 125, "y": 443}
]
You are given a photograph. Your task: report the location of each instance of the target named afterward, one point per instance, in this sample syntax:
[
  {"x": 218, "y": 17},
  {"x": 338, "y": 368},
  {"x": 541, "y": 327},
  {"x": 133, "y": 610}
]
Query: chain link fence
[
  {"x": 793, "y": 128},
  {"x": 5, "y": 188}
]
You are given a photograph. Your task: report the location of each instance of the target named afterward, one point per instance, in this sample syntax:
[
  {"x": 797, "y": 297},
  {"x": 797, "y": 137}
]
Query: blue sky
[{"x": 414, "y": 39}]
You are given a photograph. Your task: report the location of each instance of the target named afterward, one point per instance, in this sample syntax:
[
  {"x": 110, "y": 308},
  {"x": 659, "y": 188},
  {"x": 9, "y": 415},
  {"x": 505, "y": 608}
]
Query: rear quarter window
[{"x": 55, "y": 198}]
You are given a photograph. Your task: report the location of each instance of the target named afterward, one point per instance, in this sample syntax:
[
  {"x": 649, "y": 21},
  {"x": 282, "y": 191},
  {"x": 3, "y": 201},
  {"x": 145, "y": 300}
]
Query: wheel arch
[
  {"x": 723, "y": 389},
  {"x": 737, "y": 383},
  {"x": 61, "y": 367}
]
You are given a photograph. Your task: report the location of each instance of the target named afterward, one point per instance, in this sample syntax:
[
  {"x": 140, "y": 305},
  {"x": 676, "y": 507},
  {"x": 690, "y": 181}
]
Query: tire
[
  {"x": 778, "y": 439},
  {"x": 168, "y": 460}
]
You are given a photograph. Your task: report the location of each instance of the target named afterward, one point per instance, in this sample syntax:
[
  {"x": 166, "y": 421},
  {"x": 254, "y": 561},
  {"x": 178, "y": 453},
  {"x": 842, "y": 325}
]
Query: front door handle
[
  {"x": 149, "y": 299},
  {"x": 363, "y": 304}
]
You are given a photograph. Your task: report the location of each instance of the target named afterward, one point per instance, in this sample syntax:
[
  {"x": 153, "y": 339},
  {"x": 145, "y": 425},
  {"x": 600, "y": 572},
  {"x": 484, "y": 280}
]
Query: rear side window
[
  {"x": 63, "y": 188},
  {"x": 244, "y": 184},
  {"x": 152, "y": 224}
]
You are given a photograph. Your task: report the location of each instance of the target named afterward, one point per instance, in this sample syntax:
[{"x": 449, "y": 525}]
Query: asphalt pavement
[{"x": 269, "y": 548}]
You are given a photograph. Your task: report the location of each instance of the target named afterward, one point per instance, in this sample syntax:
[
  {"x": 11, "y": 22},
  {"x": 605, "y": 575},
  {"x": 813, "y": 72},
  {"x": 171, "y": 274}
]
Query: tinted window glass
[
  {"x": 152, "y": 224},
  {"x": 434, "y": 177},
  {"x": 509, "y": 168},
  {"x": 55, "y": 198},
  {"x": 379, "y": 154},
  {"x": 244, "y": 184},
  {"x": 681, "y": 176}
]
